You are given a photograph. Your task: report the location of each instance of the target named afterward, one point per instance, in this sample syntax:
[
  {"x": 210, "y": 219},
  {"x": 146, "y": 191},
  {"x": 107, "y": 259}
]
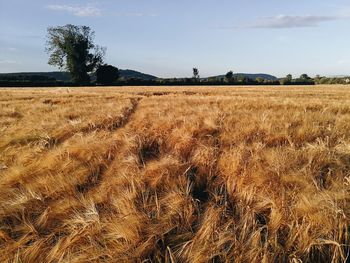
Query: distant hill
[
  {"x": 124, "y": 74},
  {"x": 128, "y": 74},
  {"x": 64, "y": 76},
  {"x": 58, "y": 75},
  {"x": 250, "y": 76}
]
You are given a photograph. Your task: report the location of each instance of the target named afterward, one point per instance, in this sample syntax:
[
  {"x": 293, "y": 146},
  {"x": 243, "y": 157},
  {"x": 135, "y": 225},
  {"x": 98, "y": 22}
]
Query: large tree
[{"x": 71, "y": 48}]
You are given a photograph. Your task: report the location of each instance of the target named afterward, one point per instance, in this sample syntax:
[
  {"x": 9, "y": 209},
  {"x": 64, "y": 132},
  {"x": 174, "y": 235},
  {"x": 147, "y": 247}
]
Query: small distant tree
[
  {"x": 288, "y": 80},
  {"x": 229, "y": 76},
  {"x": 71, "y": 48},
  {"x": 305, "y": 77},
  {"x": 107, "y": 74},
  {"x": 195, "y": 73}
]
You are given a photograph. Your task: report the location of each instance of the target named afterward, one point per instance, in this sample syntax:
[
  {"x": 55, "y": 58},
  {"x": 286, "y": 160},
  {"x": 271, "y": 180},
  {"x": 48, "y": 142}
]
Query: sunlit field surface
[{"x": 175, "y": 174}]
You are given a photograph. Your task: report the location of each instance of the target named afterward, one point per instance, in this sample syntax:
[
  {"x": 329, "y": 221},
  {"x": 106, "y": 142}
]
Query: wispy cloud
[
  {"x": 291, "y": 21},
  {"x": 77, "y": 10},
  {"x": 91, "y": 10},
  {"x": 8, "y": 62}
]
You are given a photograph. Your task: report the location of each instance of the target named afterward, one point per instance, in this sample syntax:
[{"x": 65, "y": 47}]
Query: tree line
[
  {"x": 107, "y": 75},
  {"x": 72, "y": 48}
]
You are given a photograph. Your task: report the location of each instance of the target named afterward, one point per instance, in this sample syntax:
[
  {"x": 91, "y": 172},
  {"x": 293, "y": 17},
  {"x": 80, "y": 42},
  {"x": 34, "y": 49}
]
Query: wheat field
[{"x": 175, "y": 174}]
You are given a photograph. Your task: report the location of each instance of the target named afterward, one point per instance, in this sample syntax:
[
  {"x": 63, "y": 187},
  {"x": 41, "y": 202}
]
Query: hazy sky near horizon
[{"x": 167, "y": 38}]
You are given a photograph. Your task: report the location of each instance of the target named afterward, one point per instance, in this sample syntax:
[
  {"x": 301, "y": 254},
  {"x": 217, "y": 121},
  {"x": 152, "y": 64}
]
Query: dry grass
[{"x": 258, "y": 174}]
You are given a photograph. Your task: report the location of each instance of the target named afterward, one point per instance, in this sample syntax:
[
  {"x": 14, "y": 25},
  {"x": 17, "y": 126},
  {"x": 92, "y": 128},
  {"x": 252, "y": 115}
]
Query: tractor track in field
[{"x": 109, "y": 124}]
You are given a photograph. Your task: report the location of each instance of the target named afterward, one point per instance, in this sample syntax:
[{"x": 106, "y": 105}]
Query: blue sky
[{"x": 168, "y": 38}]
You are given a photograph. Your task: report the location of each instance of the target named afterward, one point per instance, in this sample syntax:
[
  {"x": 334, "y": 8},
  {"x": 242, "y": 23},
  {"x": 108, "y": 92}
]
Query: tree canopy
[
  {"x": 229, "y": 76},
  {"x": 71, "y": 48},
  {"x": 195, "y": 73},
  {"x": 107, "y": 74}
]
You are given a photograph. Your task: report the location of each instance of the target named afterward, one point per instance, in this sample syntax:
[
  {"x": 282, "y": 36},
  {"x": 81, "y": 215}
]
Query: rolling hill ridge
[{"x": 128, "y": 74}]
